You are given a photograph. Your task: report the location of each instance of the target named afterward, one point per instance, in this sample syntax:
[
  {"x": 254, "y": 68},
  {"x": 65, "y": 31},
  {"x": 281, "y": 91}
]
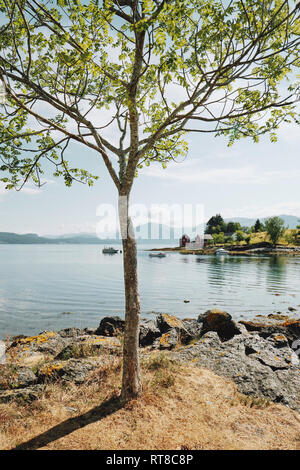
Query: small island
[{"x": 269, "y": 238}]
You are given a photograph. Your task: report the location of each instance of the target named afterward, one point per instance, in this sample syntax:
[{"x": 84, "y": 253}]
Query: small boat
[
  {"x": 109, "y": 251},
  {"x": 157, "y": 255},
  {"x": 221, "y": 251}
]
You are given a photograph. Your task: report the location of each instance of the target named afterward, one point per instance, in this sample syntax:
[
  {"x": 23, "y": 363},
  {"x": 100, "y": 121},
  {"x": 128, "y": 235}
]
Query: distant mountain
[
  {"x": 13, "y": 238},
  {"x": 84, "y": 239},
  {"x": 145, "y": 234}
]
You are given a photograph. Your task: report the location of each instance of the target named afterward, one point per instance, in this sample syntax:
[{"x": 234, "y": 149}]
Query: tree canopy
[
  {"x": 216, "y": 224},
  {"x": 130, "y": 79},
  {"x": 275, "y": 228},
  {"x": 258, "y": 226}
]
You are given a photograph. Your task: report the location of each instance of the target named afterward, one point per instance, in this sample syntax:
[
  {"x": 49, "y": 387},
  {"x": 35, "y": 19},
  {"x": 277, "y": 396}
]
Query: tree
[
  {"x": 228, "y": 240},
  {"x": 275, "y": 228},
  {"x": 231, "y": 227},
  {"x": 215, "y": 224},
  {"x": 128, "y": 80},
  {"x": 258, "y": 226},
  {"x": 219, "y": 238},
  {"x": 239, "y": 236}
]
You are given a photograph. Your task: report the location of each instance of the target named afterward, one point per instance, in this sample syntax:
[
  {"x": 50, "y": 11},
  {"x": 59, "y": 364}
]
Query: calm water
[{"x": 38, "y": 283}]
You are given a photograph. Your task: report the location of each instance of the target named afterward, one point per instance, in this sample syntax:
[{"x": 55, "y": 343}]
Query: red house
[{"x": 184, "y": 240}]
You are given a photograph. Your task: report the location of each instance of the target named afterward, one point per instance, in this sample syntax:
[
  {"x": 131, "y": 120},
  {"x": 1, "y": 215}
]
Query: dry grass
[
  {"x": 264, "y": 237},
  {"x": 181, "y": 408}
]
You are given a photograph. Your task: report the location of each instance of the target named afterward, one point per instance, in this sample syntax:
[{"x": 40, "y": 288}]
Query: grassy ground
[
  {"x": 263, "y": 237},
  {"x": 181, "y": 408}
]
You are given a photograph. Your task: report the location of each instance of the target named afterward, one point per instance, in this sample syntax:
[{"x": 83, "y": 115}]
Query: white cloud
[{"x": 190, "y": 172}]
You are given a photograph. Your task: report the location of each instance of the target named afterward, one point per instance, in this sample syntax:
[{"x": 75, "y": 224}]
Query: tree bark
[{"x": 131, "y": 381}]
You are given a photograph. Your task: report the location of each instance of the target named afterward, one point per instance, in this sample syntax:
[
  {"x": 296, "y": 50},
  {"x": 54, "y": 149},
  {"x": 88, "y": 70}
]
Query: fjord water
[{"x": 40, "y": 283}]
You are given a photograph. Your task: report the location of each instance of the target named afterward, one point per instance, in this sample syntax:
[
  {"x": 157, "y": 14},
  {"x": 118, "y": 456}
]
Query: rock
[
  {"x": 33, "y": 360},
  {"x": 148, "y": 332},
  {"x": 111, "y": 326},
  {"x": 241, "y": 329},
  {"x": 74, "y": 370},
  {"x": 53, "y": 346},
  {"x": 86, "y": 346},
  {"x": 25, "y": 377},
  {"x": 71, "y": 409},
  {"x": 219, "y": 321},
  {"x": 27, "y": 394},
  {"x": 89, "y": 331},
  {"x": 16, "y": 377},
  {"x": 71, "y": 332},
  {"x": 278, "y": 340},
  {"x": 265, "y": 352},
  {"x": 266, "y": 326},
  {"x": 77, "y": 370},
  {"x": 168, "y": 340},
  {"x": 47, "y": 342},
  {"x": 277, "y": 316},
  {"x": 211, "y": 340},
  {"x": 17, "y": 339},
  {"x": 166, "y": 323},
  {"x": 260, "y": 367},
  {"x": 193, "y": 327}
]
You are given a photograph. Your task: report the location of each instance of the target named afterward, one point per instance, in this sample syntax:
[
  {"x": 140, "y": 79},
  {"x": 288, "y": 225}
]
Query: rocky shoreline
[
  {"x": 263, "y": 248},
  {"x": 261, "y": 356}
]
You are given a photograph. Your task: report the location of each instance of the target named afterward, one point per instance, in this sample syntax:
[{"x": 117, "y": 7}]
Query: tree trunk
[{"x": 131, "y": 382}]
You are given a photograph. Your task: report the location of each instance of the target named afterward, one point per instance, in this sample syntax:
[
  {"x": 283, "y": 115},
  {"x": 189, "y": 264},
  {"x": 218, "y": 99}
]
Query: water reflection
[{"x": 276, "y": 274}]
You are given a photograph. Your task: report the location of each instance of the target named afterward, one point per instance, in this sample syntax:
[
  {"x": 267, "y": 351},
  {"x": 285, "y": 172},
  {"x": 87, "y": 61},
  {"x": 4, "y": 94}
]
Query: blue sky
[{"x": 246, "y": 180}]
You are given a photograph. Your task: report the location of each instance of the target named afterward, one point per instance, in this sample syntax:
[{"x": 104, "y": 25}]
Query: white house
[{"x": 199, "y": 243}]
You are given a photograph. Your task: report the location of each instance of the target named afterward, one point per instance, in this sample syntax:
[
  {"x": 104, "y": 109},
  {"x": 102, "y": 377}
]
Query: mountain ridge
[{"x": 162, "y": 233}]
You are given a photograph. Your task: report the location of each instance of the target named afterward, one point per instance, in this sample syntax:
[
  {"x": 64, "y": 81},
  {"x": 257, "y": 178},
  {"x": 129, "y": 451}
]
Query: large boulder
[
  {"x": 73, "y": 370},
  {"x": 274, "y": 324},
  {"x": 272, "y": 353},
  {"x": 219, "y": 321},
  {"x": 148, "y": 332},
  {"x": 260, "y": 367},
  {"x": 193, "y": 327},
  {"x": 12, "y": 377},
  {"x": 71, "y": 332},
  {"x": 88, "y": 345},
  {"x": 47, "y": 343},
  {"x": 111, "y": 326},
  {"x": 166, "y": 322},
  {"x": 27, "y": 394},
  {"x": 168, "y": 340}
]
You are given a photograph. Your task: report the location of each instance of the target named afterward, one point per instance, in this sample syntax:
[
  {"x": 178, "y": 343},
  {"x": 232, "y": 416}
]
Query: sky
[{"x": 246, "y": 180}]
